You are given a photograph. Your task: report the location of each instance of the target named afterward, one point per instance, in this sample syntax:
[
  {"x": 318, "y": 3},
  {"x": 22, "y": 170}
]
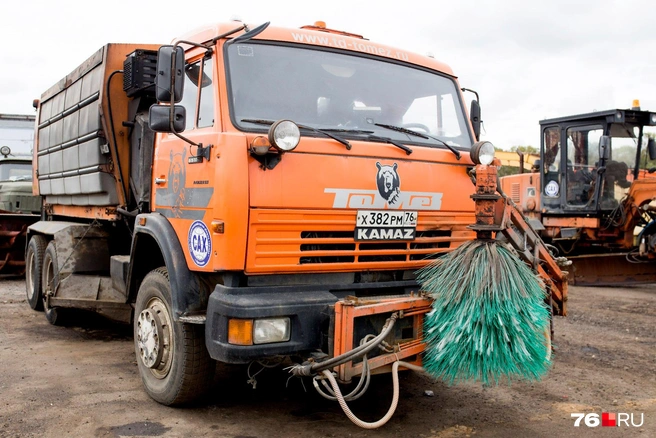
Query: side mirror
[
  {"x": 159, "y": 118},
  {"x": 604, "y": 147},
  {"x": 169, "y": 79},
  {"x": 651, "y": 147},
  {"x": 475, "y": 118}
]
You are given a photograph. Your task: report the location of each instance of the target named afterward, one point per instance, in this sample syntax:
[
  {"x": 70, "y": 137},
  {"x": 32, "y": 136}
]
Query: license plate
[{"x": 385, "y": 225}]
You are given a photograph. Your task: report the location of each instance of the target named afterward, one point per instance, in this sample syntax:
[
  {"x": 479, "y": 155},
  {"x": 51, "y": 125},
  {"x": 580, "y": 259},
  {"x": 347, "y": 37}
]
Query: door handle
[{"x": 160, "y": 180}]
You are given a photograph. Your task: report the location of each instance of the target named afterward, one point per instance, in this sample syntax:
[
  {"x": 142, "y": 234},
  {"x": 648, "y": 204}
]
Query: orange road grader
[{"x": 590, "y": 195}]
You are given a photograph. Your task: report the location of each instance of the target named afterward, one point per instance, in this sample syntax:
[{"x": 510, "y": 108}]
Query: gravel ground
[{"x": 83, "y": 381}]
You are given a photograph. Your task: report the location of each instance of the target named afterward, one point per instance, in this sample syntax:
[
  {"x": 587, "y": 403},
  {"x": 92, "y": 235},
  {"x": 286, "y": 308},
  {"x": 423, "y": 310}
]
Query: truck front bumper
[{"x": 308, "y": 308}]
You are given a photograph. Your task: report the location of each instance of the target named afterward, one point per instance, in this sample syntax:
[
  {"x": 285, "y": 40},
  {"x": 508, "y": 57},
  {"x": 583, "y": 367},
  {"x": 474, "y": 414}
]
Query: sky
[{"x": 528, "y": 60}]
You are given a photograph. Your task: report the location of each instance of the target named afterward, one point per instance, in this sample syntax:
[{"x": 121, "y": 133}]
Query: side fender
[{"x": 155, "y": 244}]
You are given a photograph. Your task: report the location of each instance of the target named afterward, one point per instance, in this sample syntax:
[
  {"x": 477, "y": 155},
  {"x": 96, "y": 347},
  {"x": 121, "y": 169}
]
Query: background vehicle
[
  {"x": 592, "y": 192},
  {"x": 317, "y": 171},
  {"x": 19, "y": 208}
]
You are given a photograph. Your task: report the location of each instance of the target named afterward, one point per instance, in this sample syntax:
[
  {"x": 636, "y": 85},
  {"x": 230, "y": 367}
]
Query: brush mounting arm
[{"x": 497, "y": 213}]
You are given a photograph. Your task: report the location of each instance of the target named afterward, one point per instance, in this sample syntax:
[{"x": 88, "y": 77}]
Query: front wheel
[{"x": 173, "y": 361}]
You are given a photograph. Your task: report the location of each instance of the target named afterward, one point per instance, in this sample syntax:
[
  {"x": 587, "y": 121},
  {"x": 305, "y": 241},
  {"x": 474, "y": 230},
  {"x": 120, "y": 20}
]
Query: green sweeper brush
[
  {"x": 489, "y": 318},
  {"x": 493, "y": 299}
]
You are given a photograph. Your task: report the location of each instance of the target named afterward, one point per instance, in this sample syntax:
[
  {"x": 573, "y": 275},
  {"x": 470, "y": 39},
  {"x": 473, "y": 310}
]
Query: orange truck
[{"x": 244, "y": 194}]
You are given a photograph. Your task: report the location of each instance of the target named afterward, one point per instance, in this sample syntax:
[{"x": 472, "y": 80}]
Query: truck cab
[{"x": 16, "y": 183}]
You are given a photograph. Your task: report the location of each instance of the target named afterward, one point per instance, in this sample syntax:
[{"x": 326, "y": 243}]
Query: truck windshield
[
  {"x": 12, "y": 171},
  {"x": 329, "y": 90}
]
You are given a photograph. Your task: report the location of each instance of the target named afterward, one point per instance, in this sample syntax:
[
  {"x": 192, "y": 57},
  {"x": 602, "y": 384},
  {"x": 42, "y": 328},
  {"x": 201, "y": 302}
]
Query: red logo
[{"x": 608, "y": 419}]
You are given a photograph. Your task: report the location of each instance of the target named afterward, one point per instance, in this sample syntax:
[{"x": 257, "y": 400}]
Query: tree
[{"x": 528, "y": 149}]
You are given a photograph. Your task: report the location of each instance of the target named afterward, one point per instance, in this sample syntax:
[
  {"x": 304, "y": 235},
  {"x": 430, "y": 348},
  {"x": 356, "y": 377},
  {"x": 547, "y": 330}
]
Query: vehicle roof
[
  {"x": 320, "y": 38},
  {"x": 16, "y": 158},
  {"x": 625, "y": 116}
]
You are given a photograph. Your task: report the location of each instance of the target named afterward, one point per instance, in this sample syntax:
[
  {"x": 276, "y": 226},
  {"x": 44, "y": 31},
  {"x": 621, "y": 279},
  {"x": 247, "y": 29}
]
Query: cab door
[{"x": 184, "y": 181}]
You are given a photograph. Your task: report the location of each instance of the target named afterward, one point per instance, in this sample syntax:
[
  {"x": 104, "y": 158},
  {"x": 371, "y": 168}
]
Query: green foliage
[
  {"x": 526, "y": 149},
  {"x": 489, "y": 317},
  {"x": 508, "y": 170}
]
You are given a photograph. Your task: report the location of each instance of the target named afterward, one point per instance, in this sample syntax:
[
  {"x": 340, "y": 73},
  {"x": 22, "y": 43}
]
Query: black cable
[{"x": 114, "y": 145}]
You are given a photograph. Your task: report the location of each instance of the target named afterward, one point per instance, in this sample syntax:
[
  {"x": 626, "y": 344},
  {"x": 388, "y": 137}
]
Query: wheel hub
[{"x": 150, "y": 338}]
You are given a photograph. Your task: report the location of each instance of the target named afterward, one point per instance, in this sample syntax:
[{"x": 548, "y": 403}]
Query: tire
[
  {"x": 33, "y": 267},
  {"x": 173, "y": 361},
  {"x": 49, "y": 283}
]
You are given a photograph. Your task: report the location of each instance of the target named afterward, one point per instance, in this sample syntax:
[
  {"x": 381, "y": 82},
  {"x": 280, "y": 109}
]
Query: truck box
[{"x": 83, "y": 154}]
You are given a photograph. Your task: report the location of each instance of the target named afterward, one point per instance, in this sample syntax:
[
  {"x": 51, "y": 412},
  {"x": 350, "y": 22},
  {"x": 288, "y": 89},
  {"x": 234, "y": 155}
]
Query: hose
[
  {"x": 315, "y": 368},
  {"x": 365, "y": 378},
  {"x": 367, "y": 344},
  {"x": 395, "y": 396},
  {"x": 359, "y": 390}
]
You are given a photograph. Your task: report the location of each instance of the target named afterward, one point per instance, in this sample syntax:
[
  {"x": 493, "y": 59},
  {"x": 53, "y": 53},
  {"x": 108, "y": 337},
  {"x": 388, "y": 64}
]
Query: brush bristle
[{"x": 489, "y": 316}]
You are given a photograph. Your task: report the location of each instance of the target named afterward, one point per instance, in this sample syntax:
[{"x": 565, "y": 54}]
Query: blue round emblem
[{"x": 200, "y": 243}]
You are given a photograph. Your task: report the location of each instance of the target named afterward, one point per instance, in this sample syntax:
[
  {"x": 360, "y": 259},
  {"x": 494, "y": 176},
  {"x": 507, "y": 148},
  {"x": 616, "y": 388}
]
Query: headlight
[
  {"x": 270, "y": 330},
  {"x": 5, "y": 150},
  {"x": 258, "y": 331},
  {"x": 284, "y": 135},
  {"x": 482, "y": 152}
]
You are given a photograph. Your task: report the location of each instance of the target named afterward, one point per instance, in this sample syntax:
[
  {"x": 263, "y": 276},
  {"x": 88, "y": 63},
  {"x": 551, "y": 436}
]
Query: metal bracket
[{"x": 201, "y": 152}]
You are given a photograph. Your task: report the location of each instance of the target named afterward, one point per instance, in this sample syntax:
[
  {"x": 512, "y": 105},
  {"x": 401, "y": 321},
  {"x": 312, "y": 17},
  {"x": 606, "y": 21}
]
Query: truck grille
[
  {"x": 292, "y": 241},
  {"x": 373, "y": 251}
]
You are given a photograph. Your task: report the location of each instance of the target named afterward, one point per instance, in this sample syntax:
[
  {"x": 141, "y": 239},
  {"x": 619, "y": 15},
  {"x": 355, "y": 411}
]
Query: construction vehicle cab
[
  {"x": 593, "y": 184},
  {"x": 589, "y": 161}
]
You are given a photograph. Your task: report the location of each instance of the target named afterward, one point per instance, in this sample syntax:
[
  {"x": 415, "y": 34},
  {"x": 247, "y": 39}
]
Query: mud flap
[{"x": 356, "y": 318}]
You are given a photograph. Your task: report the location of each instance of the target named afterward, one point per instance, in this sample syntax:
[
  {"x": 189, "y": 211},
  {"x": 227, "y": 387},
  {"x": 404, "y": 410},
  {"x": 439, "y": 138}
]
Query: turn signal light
[
  {"x": 260, "y": 145},
  {"x": 217, "y": 227},
  {"x": 240, "y": 331}
]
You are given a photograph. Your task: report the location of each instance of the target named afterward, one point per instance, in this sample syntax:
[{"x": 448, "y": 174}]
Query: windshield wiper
[
  {"x": 399, "y": 145},
  {"x": 320, "y": 131},
  {"x": 420, "y": 134},
  {"x": 351, "y": 131}
]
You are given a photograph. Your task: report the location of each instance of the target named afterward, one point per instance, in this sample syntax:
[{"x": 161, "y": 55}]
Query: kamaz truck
[{"x": 248, "y": 194}]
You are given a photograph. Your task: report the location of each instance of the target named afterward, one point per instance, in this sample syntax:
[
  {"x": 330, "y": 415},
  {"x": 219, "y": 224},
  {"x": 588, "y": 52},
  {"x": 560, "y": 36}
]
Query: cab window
[{"x": 198, "y": 97}]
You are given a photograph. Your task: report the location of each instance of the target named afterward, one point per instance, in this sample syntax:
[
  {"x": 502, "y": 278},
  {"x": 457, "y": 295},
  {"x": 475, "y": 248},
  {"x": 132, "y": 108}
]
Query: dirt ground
[{"x": 83, "y": 381}]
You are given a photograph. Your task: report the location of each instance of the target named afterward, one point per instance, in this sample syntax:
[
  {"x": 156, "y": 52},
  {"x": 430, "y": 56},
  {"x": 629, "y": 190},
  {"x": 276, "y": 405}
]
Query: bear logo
[
  {"x": 177, "y": 178},
  {"x": 388, "y": 183}
]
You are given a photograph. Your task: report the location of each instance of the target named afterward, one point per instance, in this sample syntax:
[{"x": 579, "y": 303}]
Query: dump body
[{"x": 82, "y": 152}]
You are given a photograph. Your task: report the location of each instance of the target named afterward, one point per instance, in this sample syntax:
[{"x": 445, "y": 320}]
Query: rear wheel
[
  {"x": 33, "y": 264},
  {"x": 49, "y": 283},
  {"x": 173, "y": 361}
]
